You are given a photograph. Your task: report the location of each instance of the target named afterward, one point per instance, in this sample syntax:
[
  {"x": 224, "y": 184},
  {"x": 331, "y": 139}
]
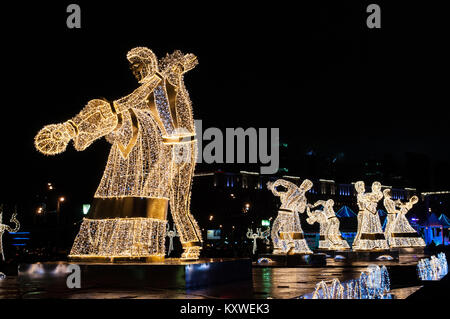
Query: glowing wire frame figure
[
  {"x": 152, "y": 157},
  {"x": 258, "y": 235},
  {"x": 330, "y": 236},
  {"x": 370, "y": 235},
  {"x": 4, "y": 227},
  {"x": 287, "y": 234},
  {"x": 400, "y": 234}
]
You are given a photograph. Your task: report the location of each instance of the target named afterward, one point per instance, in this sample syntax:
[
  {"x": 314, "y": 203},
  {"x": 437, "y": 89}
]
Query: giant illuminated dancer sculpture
[
  {"x": 370, "y": 236},
  {"x": 151, "y": 162},
  {"x": 399, "y": 232},
  {"x": 7, "y": 228},
  {"x": 287, "y": 234},
  {"x": 330, "y": 236}
]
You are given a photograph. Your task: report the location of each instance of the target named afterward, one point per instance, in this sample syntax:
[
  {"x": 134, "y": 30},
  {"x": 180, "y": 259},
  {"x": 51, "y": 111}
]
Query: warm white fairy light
[
  {"x": 258, "y": 235},
  {"x": 398, "y": 231},
  {"x": 330, "y": 236},
  {"x": 153, "y": 153},
  {"x": 370, "y": 235},
  {"x": 9, "y": 229},
  {"x": 287, "y": 234}
]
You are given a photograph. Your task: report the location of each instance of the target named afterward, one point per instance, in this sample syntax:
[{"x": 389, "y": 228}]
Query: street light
[
  {"x": 211, "y": 217},
  {"x": 58, "y": 207}
]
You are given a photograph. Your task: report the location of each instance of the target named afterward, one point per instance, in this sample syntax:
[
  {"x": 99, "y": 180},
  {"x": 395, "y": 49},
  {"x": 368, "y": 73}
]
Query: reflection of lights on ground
[{"x": 36, "y": 269}]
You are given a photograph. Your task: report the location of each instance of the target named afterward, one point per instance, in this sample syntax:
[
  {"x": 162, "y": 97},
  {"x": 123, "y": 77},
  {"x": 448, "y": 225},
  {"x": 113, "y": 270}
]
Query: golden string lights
[
  {"x": 370, "y": 235},
  {"x": 287, "y": 234},
  {"x": 399, "y": 232},
  {"x": 330, "y": 236},
  {"x": 153, "y": 156}
]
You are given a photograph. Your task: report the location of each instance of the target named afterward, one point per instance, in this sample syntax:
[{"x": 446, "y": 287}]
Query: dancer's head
[
  {"x": 360, "y": 187},
  {"x": 143, "y": 63},
  {"x": 376, "y": 187},
  {"x": 387, "y": 193}
]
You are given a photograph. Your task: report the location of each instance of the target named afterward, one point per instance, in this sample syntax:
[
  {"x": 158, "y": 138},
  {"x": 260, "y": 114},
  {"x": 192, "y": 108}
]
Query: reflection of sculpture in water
[
  {"x": 287, "y": 234},
  {"x": 370, "y": 235},
  {"x": 151, "y": 162},
  {"x": 330, "y": 236},
  {"x": 9, "y": 229},
  {"x": 399, "y": 232}
]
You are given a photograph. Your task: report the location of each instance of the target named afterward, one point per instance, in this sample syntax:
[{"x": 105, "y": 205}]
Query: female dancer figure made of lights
[
  {"x": 151, "y": 162},
  {"x": 287, "y": 234},
  {"x": 399, "y": 232},
  {"x": 330, "y": 236},
  {"x": 7, "y": 228},
  {"x": 370, "y": 236}
]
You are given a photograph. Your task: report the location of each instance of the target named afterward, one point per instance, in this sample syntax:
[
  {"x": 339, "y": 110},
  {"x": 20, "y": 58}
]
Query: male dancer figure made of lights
[
  {"x": 399, "y": 232},
  {"x": 151, "y": 162},
  {"x": 287, "y": 234},
  {"x": 370, "y": 236},
  {"x": 330, "y": 236},
  {"x": 7, "y": 228}
]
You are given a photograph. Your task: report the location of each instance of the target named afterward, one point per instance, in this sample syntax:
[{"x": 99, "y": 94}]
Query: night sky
[{"x": 316, "y": 72}]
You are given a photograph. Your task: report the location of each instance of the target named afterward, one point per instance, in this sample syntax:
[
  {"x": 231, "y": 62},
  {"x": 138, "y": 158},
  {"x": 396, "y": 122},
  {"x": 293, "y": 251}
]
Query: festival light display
[
  {"x": 330, "y": 236},
  {"x": 369, "y": 236},
  {"x": 258, "y": 235},
  {"x": 9, "y": 229},
  {"x": 398, "y": 231},
  {"x": 373, "y": 283},
  {"x": 152, "y": 157},
  {"x": 287, "y": 234}
]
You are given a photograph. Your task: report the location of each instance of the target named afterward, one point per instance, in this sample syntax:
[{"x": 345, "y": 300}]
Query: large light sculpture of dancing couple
[
  {"x": 398, "y": 231},
  {"x": 330, "y": 236},
  {"x": 287, "y": 234},
  {"x": 370, "y": 235},
  {"x": 151, "y": 162}
]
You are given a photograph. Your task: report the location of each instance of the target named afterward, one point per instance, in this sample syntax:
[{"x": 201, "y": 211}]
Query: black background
[{"x": 313, "y": 70}]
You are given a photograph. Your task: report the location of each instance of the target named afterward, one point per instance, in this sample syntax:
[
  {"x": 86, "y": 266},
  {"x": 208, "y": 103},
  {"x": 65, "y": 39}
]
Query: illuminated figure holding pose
[
  {"x": 151, "y": 162},
  {"x": 287, "y": 234},
  {"x": 330, "y": 236},
  {"x": 370, "y": 235},
  {"x": 7, "y": 228},
  {"x": 399, "y": 232}
]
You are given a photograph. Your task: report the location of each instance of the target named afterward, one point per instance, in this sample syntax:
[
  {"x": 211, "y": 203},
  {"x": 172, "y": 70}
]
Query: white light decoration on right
[
  {"x": 370, "y": 236},
  {"x": 287, "y": 234},
  {"x": 399, "y": 232}
]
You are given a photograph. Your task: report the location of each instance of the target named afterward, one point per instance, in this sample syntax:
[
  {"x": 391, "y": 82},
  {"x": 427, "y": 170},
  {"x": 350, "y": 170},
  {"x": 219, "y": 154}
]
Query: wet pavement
[{"x": 277, "y": 283}]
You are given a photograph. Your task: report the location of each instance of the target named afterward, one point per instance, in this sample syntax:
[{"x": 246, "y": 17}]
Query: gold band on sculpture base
[
  {"x": 291, "y": 235},
  {"x": 129, "y": 207}
]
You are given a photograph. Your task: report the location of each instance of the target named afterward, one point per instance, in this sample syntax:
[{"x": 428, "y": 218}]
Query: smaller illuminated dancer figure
[
  {"x": 7, "y": 228},
  {"x": 370, "y": 235},
  {"x": 330, "y": 236},
  {"x": 287, "y": 234},
  {"x": 400, "y": 234},
  {"x": 392, "y": 212}
]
